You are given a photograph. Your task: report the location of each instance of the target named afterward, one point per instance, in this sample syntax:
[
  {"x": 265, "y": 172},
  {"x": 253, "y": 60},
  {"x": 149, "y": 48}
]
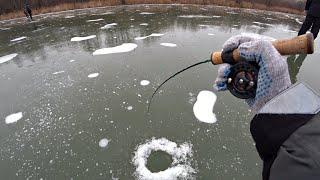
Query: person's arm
[
  {"x": 282, "y": 111},
  {"x": 278, "y": 128}
]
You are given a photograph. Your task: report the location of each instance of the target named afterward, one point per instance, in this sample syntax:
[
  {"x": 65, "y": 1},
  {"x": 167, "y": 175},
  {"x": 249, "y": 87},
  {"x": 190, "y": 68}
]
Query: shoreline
[{"x": 92, "y": 5}]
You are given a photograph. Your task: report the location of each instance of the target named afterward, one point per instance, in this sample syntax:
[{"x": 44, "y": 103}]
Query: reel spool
[{"x": 242, "y": 79}]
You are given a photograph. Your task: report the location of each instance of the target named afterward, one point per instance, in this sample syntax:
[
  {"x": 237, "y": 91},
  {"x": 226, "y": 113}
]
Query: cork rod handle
[{"x": 303, "y": 44}]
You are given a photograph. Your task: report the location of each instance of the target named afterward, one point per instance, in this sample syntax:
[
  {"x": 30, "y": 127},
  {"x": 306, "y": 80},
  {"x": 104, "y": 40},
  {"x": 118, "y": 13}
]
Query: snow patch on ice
[
  {"x": 126, "y": 47},
  {"x": 168, "y": 44},
  {"x": 198, "y": 16},
  {"x": 6, "y": 58},
  {"x": 93, "y": 75},
  {"x": 107, "y": 13},
  {"x": 68, "y": 17},
  {"x": 58, "y": 72},
  {"x": 12, "y": 118},
  {"x": 18, "y": 39},
  {"x": 76, "y": 39},
  {"x": 181, "y": 155},
  {"x": 129, "y": 108},
  {"x": 203, "y": 108},
  {"x": 146, "y": 13},
  {"x": 107, "y": 26},
  {"x": 103, "y": 143},
  {"x": 95, "y": 20},
  {"x": 210, "y": 34},
  {"x": 144, "y": 24},
  {"x": 144, "y": 83},
  {"x": 262, "y": 24},
  {"x": 151, "y": 35}
]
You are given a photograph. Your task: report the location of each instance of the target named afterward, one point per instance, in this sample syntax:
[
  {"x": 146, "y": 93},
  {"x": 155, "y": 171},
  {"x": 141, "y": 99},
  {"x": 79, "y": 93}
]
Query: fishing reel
[{"x": 242, "y": 79}]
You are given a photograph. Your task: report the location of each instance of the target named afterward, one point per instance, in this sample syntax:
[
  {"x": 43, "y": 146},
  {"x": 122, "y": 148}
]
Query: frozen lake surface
[{"x": 78, "y": 109}]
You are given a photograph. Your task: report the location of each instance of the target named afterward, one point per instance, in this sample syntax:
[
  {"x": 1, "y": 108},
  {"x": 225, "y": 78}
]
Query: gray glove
[{"x": 273, "y": 77}]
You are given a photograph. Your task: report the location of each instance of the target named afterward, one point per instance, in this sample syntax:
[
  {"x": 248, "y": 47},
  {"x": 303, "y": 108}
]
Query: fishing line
[{"x": 177, "y": 73}]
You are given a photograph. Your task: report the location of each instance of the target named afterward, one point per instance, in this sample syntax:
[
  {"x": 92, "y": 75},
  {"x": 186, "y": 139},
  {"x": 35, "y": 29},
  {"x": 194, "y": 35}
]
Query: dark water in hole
[
  {"x": 159, "y": 161},
  {"x": 66, "y": 114}
]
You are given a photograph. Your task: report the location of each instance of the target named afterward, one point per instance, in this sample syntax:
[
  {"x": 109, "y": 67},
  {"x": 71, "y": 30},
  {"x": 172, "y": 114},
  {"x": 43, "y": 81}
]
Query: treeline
[{"x": 17, "y": 5}]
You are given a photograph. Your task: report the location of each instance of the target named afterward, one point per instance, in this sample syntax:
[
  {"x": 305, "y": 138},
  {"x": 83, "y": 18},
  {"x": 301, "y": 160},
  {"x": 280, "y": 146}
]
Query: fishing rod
[
  {"x": 243, "y": 76},
  {"x": 172, "y": 76}
]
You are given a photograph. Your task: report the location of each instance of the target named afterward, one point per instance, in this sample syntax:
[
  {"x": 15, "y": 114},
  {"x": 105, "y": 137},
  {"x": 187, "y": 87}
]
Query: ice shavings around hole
[
  {"x": 144, "y": 83},
  {"x": 151, "y": 35},
  {"x": 181, "y": 155},
  {"x": 203, "y": 108},
  {"x": 168, "y": 44},
  {"x": 126, "y": 47},
  {"x": 18, "y": 39},
  {"x": 93, "y": 75},
  {"x": 107, "y": 26},
  {"x": 76, "y": 39},
  {"x": 6, "y": 58},
  {"x": 12, "y": 118},
  {"x": 104, "y": 142}
]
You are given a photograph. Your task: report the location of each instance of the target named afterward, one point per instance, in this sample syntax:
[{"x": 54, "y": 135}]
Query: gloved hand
[{"x": 273, "y": 77}]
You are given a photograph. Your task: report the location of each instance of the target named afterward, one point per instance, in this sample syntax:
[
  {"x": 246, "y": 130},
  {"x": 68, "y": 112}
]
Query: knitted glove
[{"x": 273, "y": 77}]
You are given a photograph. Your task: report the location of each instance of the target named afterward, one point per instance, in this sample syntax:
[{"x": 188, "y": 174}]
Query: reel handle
[{"x": 303, "y": 44}]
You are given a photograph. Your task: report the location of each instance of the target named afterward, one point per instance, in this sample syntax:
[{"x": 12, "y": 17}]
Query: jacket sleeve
[
  {"x": 308, "y": 4},
  {"x": 291, "y": 114},
  {"x": 299, "y": 156}
]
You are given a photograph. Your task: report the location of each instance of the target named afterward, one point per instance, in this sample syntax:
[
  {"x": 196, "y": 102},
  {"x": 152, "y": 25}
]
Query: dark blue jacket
[
  {"x": 287, "y": 135},
  {"x": 313, "y": 7}
]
